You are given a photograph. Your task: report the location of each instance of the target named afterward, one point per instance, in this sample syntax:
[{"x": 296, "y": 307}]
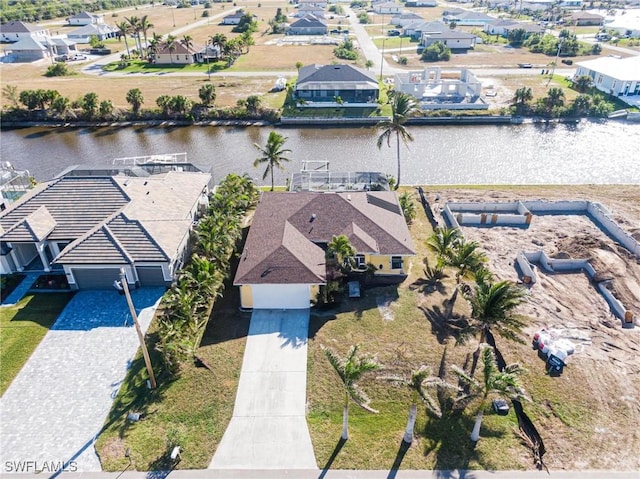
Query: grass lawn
[
  {"x": 192, "y": 410},
  {"x": 22, "y": 327}
]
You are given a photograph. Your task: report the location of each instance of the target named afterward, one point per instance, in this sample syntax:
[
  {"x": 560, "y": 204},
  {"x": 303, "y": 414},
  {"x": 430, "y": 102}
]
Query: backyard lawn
[{"x": 22, "y": 327}]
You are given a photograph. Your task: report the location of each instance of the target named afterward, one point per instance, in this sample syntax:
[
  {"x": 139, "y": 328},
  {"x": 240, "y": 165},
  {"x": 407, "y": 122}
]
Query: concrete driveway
[
  {"x": 53, "y": 410},
  {"x": 268, "y": 429}
]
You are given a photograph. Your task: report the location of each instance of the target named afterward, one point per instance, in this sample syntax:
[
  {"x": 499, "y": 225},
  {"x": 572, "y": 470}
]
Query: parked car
[
  {"x": 525, "y": 65},
  {"x": 393, "y": 33}
]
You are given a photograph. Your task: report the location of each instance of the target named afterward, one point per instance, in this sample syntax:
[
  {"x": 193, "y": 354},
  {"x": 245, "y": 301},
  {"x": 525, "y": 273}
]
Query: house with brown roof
[
  {"x": 178, "y": 54},
  {"x": 283, "y": 262},
  {"x": 91, "y": 226}
]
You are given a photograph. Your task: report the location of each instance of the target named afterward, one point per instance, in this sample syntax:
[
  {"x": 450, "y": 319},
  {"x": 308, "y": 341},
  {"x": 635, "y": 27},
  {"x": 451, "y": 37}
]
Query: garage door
[
  {"x": 280, "y": 296},
  {"x": 102, "y": 278},
  {"x": 150, "y": 275}
]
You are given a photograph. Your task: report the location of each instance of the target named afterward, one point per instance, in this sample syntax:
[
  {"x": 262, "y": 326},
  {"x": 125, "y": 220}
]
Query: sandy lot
[{"x": 605, "y": 368}]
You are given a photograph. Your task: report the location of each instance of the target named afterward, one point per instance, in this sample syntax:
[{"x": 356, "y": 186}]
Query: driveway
[
  {"x": 268, "y": 429},
  {"x": 55, "y": 407}
]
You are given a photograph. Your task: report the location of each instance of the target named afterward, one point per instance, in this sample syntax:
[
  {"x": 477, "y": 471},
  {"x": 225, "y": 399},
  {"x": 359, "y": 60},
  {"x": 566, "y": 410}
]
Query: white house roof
[
  {"x": 26, "y": 44},
  {"x": 623, "y": 69},
  {"x": 20, "y": 27},
  {"x": 93, "y": 29},
  {"x": 83, "y": 15}
]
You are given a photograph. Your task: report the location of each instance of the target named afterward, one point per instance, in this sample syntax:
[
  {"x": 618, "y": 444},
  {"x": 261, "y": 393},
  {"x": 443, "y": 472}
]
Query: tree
[
  {"x": 135, "y": 27},
  {"x": 89, "y": 104},
  {"x": 207, "y": 94},
  {"x": 10, "y": 92},
  {"x": 123, "y": 30},
  {"x": 253, "y": 104},
  {"x": 60, "y": 105},
  {"x": 435, "y": 52},
  {"x": 299, "y": 65},
  {"x": 164, "y": 102},
  {"x": 246, "y": 23},
  {"x": 171, "y": 46},
  {"x": 408, "y": 207},
  {"x": 522, "y": 96},
  {"x": 582, "y": 83},
  {"x": 343, "y": 251},
  {"x": 441, "y": 242},
  {"x": 467, "y": 260},
  {"x": 145, "y": 25},
  {"x": 135, "y": 99},
  {"x": 554, "y": 99},
  {"x": 403, "y": 106},
  {"x": 350, "y": 369},
  {"x": 187, "y": 41},
  {"x": 106, "y": 108},
  {"x": 581, "y": 104},
  {"x": 493, "y": 381},
  {"x": 368, "y": 64},
  {"x": 516, "y": 37},
  {"x": 420, "y": 380},
  {"x": 493, "y": 307},
  {"x": 272, "y": 154}
]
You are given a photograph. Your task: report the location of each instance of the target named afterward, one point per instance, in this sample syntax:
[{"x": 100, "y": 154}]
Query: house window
[
  {"x": 359, "y": 261},
  {"x": 396, "y": 262}
]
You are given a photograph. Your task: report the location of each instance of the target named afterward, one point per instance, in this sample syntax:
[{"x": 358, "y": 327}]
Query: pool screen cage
[{"x": 315, "y": 176}]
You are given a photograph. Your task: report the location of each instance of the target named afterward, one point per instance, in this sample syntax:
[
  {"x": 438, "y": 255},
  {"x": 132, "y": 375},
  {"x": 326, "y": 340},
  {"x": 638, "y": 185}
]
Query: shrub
[
  {"x": 438, "y": 51},
  {"x": 58, "y": 70}
]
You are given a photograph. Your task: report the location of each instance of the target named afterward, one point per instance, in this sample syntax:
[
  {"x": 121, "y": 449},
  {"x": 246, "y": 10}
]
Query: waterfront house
[
  {"x": 504, "y": 27},
  {"x": 468, "y": 18},
  {"x": 319, "y": 85},
  {"x": 91, "y": 226},
  {"x": 283, "y": 262},
  {"x": 11, "y": 32},
  {"x": 309, "y": 25},
  {"x": 581, "y": 18},
  {"x": 387, "y": 8},
  {"x": 615, "y": 76}
]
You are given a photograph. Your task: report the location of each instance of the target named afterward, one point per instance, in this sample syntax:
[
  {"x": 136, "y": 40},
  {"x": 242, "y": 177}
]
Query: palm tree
[
  {"x": 187, "y": 41},
  {"x": 493, "y": 381},
  {"x": 145, "y": 25},
  {"x": 582, "y": 83},
  {"x": 441, "y": 242},
  {"x": 467, "y": 260},
  {"x": 554, "y": 98},
  {"x": 350, "y": 369},
  {"x": 403, "y": 106},
  {"x": 135, "y": 99},
  {"x": 420, "y": 380},
  {"x": 124, "y": 27},
  {"x": 135, "y": 28},
  {"x": 521, "y": 97},
  {"x": 171, "y": 46},
  {"x": 253, "y": 103},
  {"x": 408, "y": 207},
  {"x": 493, "y": 307},
  {"x": 207, "y": 94},
  {"x": 343, "y": 251},
  {"x": 272, "y": 154}
]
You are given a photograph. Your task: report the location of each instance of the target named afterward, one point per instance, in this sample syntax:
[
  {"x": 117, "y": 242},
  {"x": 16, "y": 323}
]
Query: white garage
[{"x": 281, "y": 296}]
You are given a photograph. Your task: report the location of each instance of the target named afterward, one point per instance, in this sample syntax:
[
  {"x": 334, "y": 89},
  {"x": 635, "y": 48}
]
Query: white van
[{"x": 603, "y": 37}]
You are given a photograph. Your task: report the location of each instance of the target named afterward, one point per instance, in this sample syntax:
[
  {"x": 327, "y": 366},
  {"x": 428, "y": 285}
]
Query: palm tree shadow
[
  {"x": 404, "y": 447},
  {"x": 441, "y": 326},
  {"x": 334, "y": 454}
]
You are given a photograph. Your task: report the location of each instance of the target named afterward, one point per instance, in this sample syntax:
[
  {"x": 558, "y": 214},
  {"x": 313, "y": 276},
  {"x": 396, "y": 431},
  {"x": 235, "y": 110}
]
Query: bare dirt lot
[{"x": 604, "y": 372}]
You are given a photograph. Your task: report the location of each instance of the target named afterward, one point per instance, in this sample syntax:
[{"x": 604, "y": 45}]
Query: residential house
[
  {"x": 233, "y": 18},
  {"x": 504, "y": 27},
  {"x": 85, "y": 18},
  {"x": 416, "y": 29},
  {"x": 421, "y": 3},
  {"x": 581, "y": 18},
  {"x": 314, "y": 3},
  {"x": 626, "y": 24},
  {"x": 11, "y": 32},
  {"x": 309, "y": 25},
  {"x": 28, "y": 50},
  {"x": 387, "y": 8},
  {"x": 283, "y": 262},
  {"x": 90, "y": 227},
  {"x": 458, "y": 41},
  {"x": 322, "y": 84},
  {"x": 405, "y": 18},
  {"x": 615, "y": 76},
  {"x": 440, "y": 88},
  {"x": 61, "y": 46},
  {"x": 178, "y": 54},
  {"x": 209, "y": 52},
  {"x": 468, "y": 18},
  {"x": 306, "y": 10},
  {"x": 101, "y": 31}
]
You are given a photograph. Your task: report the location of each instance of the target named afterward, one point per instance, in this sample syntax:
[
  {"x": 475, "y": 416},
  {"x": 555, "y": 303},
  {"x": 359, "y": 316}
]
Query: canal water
[{"x": 588, "y": 152}]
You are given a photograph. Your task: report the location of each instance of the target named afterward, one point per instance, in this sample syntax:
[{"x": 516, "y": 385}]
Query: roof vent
[
  {"x": 313, "y": 217},
  {"x": 349, "y": 197}
]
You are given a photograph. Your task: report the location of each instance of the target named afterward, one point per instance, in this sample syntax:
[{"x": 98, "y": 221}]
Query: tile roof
[
  {"x": 20, "y": 27},
  {"x": 77, "y": 204},
  {"x": 331, "y": 75},
  {"x": 98, "y": 247},
  {"x": 33, "y": 228},
  {"x": 287, "y": 229}
]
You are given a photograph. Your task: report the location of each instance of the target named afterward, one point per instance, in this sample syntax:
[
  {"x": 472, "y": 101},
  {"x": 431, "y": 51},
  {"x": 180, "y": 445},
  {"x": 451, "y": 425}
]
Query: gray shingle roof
[
  {"x": 282, "y": 245},
  {"x": 310, "y": 21},
  {"x": 19, "y": 27},
  {"x": 340, "y": 76},
  {"x": 99, "y": 247},
  {"x": 76, "y": 204}
]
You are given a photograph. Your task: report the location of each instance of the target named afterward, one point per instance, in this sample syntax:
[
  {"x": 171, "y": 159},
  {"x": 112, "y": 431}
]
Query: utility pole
[
  {"x": 382, "y": 58},
  {"x": 145, "y": 352}
]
